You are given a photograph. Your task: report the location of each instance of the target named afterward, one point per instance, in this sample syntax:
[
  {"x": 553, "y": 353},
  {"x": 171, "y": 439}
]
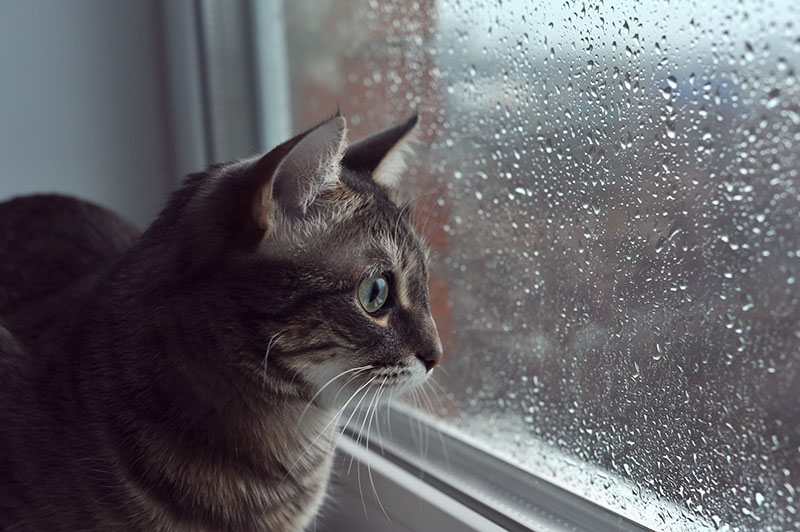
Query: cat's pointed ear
[
  {"x": 383, "y": 155},
  {"x": 292, "y": 174}
]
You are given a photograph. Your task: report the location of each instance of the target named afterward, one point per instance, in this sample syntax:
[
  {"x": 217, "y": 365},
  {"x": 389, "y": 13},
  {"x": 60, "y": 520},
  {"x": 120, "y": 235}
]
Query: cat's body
[
  {"x": 71, "y": 440},
  {"x": 185, "y": 380}
]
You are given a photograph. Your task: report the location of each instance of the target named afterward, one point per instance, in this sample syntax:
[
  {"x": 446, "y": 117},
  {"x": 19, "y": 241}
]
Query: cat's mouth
[
  {"x": 354, "y": 385},
  {"x": 397, "y": 376},
  {"x": 391, "y": 373}
]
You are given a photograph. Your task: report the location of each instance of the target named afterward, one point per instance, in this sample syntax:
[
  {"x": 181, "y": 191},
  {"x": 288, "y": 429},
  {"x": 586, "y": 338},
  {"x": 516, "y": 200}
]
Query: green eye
[{"x": 372, "y": 293}]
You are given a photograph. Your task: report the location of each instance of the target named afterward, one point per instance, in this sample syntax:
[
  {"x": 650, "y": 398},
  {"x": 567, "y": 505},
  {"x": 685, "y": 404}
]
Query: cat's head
[{"x": 315, "y": 264}]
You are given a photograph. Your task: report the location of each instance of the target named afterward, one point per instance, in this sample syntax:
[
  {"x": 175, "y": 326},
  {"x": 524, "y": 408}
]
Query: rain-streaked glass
[{"x": 612, "y": 191}]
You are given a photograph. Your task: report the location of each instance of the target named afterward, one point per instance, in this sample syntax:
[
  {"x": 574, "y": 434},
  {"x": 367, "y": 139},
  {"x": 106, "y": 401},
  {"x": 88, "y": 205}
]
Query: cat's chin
[
  {"x": 364, "y": 385},
  {"x": 399, "y": 378}
]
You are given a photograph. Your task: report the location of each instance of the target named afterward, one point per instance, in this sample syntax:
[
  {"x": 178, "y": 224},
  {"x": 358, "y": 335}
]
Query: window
[{"x": 612, "y": 193}]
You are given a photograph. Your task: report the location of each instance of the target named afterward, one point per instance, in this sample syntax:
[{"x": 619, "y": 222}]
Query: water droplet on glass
[
  {"x": 672, "y": 81},
  {"x": 773, "y": 98},
  {"x": 749, "y": 55}
]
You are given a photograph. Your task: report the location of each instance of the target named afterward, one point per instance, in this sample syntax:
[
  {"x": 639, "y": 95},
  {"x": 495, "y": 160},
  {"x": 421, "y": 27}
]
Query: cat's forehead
[
  {"x": 369, "y": 233},
  {"x": 387, "y": 227}
]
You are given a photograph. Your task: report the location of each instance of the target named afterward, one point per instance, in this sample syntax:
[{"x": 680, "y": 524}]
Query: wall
[{"x": 83, "y": 103}]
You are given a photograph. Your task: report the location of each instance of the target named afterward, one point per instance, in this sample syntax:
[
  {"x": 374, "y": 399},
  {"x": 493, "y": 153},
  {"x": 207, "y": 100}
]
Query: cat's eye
[{"x": 373, "y": 292}]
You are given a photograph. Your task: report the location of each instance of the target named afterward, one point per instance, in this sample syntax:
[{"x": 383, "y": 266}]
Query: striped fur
[{"x": 191, "y": 378}]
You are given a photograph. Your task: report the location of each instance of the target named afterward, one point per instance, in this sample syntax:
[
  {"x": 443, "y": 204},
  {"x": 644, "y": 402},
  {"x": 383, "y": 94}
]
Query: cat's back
[
  {"x": 53, "y": 249},
  {"x": 50, "y": 242}
]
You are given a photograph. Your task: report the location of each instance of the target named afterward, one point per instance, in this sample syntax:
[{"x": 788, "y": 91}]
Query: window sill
[
  {"x": 405, "y": 502},
  {"x": 427, "y": 479}
]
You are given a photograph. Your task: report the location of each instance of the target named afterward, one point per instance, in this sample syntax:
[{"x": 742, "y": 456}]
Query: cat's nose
[
  {"x": 432, "y": 354},
  {"x": 430, "y": 358}
]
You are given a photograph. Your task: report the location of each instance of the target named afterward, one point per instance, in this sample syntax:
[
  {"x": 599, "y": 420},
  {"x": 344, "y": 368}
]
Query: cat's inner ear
[
  {"x": 292, "y": 175},
  {"x": 384, "y": 154}
]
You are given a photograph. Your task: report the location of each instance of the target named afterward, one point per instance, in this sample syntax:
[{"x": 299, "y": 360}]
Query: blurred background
[
  {"x": 114, "y": 101},
  {"x": 612, "y": 191},
  {"x": 84, "y": 105}
]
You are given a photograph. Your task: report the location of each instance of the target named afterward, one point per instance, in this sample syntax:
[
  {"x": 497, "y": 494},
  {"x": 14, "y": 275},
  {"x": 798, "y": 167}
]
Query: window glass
[{"x": 613, "y": 196}]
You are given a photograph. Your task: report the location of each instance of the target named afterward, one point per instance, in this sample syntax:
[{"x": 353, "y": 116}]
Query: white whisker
[
  {"x": 426, "y": 425},
  {"x": 266, "y": 355},
  {"x": 361, "y": 430},
  {"x": 423, "y": 444},
  {"x": 377, "y": 422},
  {"x": 311, "y": 402},
  {"x": 438, "y": 432},
  {"x": 369, "y": 468},
  {"x": 358, "y": 470},
  {"x": 291, "y": 382},
  {"x": 351, "y": 379},
  {"x": 355, "y": 409},
  {"x": 389, "y": 412},
  {"x": 333, "y": 420},
  {"x": 366, "y": 442}
]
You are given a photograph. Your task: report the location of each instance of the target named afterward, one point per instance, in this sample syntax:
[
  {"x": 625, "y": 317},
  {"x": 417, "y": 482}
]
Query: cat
[{"x": 192, "y": 377}]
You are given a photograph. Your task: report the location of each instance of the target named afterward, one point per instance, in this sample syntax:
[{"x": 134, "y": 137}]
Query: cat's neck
[
  {"x": 219, "y": 445},
  {"x": 278, "y": 461}
]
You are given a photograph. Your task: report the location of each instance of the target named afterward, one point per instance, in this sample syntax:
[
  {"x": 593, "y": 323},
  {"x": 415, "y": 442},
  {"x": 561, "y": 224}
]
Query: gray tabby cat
[{"x": 191, "y": 378}]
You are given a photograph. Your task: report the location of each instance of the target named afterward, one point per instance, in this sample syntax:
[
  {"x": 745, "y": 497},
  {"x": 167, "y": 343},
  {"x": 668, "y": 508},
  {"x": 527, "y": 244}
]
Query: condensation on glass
[{"x": 612, "y": 192}]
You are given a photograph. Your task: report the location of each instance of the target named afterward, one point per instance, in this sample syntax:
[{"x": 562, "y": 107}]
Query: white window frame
[{"x": 422, "y": 475}]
